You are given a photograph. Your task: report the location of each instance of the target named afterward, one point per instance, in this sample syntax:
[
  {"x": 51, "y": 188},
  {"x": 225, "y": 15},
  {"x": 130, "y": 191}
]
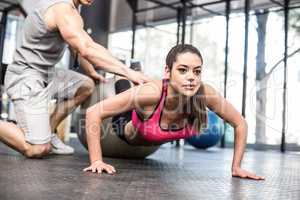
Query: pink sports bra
[{"x": 150, "y": 128}]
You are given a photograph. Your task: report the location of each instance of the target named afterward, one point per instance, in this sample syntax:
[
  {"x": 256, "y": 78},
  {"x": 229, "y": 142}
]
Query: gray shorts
[{"x": 31, "y": 93}]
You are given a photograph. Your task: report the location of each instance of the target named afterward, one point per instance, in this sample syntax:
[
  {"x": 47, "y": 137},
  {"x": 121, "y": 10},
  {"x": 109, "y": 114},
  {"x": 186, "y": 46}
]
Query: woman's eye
[
  {"x": 182, "y": 70},
  {"x": 197, "y": 72}
]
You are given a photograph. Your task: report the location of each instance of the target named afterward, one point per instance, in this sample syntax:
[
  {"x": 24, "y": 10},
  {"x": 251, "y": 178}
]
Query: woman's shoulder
[
  {"x": 153, "y": 86},
  {"x": 211, "y": 95},
  {"x": 207, "y": 89},
  {"x": 150, "y": 91}
]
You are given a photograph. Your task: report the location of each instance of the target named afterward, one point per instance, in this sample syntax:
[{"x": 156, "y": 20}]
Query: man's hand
[
  {"x": 137, "y": 77},
  {"x": 240, "y": 173},
  {"x": 97, "y": 77}
]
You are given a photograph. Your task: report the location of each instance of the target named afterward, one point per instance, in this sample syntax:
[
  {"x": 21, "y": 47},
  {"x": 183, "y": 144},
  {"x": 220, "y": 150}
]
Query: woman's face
[{"x": 185, "y": 76}]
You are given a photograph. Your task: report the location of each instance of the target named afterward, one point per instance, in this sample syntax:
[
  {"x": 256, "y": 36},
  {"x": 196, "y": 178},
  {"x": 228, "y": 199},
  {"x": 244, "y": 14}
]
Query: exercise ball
[
  {"x": 111, "y": 144},
  {"x": 211, "y": 135}
]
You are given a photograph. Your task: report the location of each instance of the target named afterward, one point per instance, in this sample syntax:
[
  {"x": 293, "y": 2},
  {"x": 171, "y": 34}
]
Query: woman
[{"x": 166, "y": 110}]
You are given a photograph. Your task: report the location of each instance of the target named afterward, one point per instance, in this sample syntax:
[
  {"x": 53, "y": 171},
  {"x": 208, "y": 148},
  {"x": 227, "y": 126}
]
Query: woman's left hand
[{"x": 240, "y": 173}]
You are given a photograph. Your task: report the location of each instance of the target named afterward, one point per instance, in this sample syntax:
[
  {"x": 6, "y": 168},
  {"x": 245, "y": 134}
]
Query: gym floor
[{"x": 170, "y": 173}]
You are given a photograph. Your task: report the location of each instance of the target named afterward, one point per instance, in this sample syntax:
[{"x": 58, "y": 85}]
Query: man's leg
[
  {"x": 32, "y": 135},
  {"x": 13, "y": 136},
  {"x": 33, "y": 131},
  {"x": 64, "y": 108},
  {"x": 72, "y": 89}
]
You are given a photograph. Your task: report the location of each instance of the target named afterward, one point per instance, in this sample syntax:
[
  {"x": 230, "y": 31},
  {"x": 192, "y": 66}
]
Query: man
[{"x": 31, "y": 80}]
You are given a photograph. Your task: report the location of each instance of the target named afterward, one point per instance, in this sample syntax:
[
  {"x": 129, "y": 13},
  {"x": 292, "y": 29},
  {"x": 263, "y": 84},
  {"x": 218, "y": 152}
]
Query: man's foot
[{"x": 60, "y": 148}]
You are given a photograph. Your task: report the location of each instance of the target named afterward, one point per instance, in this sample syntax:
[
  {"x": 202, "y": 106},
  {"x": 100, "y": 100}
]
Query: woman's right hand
[{"x": 99, "y": 167}]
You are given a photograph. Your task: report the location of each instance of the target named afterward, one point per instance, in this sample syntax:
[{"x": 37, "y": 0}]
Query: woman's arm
[
  {"x": 228, "y": 113},
  {"x": 136, "y": 97}
]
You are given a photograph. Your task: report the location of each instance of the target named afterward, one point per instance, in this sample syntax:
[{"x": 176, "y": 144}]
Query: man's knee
[
  {"x": 88, "y": 86},
  {"x": 38, "y": 151}
]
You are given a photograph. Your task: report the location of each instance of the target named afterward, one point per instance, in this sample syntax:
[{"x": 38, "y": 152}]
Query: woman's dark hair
[
  {"x": 180, "y": 49},
  {"x": 197, "y": 105}
]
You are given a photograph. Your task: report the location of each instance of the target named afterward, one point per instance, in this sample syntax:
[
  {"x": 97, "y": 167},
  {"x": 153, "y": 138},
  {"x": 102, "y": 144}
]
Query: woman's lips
[{"x": 189, "y": 87}]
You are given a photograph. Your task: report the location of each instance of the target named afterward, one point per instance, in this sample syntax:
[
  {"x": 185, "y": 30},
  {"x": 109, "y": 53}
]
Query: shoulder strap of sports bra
[
  {"x": 163, "y": 96},
  {"x": 165, "y": 86}
]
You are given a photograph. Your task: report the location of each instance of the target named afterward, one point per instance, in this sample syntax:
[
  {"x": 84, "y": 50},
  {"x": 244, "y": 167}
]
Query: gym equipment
[
  {"x": 112, "y": 145},
  {"x": 210, "y": 136}
]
